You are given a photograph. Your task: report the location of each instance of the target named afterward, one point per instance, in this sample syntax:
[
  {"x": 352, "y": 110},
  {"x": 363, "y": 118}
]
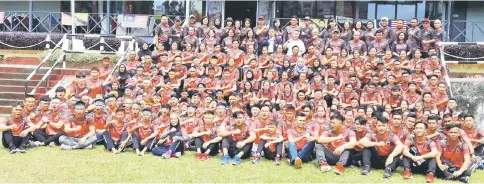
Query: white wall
[{"x": 475, "y": 14}]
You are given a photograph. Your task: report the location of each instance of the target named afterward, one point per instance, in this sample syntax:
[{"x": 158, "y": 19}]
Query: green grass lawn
[{"x": 52, "y": 165}]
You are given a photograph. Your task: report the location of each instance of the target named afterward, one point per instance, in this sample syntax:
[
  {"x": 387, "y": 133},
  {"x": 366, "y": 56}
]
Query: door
[{"x": 239, "y": 10}]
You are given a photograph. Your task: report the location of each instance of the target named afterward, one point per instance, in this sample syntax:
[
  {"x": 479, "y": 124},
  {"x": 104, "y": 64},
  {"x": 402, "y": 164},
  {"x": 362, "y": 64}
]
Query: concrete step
[
  {"x": 17, "y": 95},
  {"x": 5, "y": 110},
  {"x": 9, "y": 88},
  {"x": 25, "y": 75},
  {"x": 21, "y": 82},
  {"x": 9, "y": 102}
]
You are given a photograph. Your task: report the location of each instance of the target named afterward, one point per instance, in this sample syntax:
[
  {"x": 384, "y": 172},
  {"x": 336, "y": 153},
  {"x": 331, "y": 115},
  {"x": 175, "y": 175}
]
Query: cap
[
  {"x": 191, "y": 16},
  {"x": 177, "y": 18},
  {"x": 384, "y": 18},
  {"x": 379, "y": 62},
  {"x": 426, "y": 20},
  {"x": 307, "y": 18},
  {"x": 229, "y": 19},
  {"x": 260, "y": 17}
]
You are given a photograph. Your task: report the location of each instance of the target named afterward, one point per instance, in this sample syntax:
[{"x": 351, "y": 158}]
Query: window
[
  {"x": 434, "y": 10},
  {"x": 345, "y": 9},
  {"x": 385, "y": 10},
  {"x": 406, "y": 11},
  {"x": 325, "y": 9}
]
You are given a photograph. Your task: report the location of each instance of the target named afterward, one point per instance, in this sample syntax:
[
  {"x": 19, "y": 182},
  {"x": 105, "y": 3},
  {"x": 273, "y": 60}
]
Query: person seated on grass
[
  {"x": 16, "y": 130},
  {"x": 143, "y": 133},
  {"x": 335, "y": 145},
  {"x": 419, "y": 154},
  {"x": 171, "y": 140},
  {"x": 49, "y": 128},
  {"x": 116, "y": 134},
  {"x": 301, "y": 142},
  {"x": 207, "y": 141},
  {"x": 98, "y": 118},
  {"x": 237, "y": 139},
  {"x": 38, "y": 114},
  {"x": 382, "y": 149},
  {"x": 361, "y": 130},
  {"x": 271, "y": 143},
  {"x": 476, "y": 137},
  {"x": 454, "y": 159},
  {"x": 190, "y": 122},
  {"x": 79, "y": 133}
]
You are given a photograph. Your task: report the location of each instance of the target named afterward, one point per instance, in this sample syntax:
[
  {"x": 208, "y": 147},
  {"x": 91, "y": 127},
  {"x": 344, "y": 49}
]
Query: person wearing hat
[
  {"x": 105, "y": 69},
  {"x": 306, "y": 31},
  {"x": 388, "y": 32},
  {"x": 80, "y": 134},
  {"x": 426, "y": 35},
  {"x": 191, "y": 23},
  {"x": 335, "y": 42},
  {"x": 260, "y": 32},
  {"x": 176, "y": 32},
  {"x": 293, "y": 26},
  {"x": 162, "y": 32}
]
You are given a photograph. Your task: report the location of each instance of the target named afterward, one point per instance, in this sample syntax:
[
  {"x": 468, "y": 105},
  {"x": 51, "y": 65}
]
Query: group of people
[{"x": 370, "y": 97}]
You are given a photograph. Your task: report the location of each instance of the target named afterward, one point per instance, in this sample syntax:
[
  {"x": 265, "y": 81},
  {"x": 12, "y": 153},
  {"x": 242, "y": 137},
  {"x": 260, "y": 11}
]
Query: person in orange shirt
[
  {"x": 454, "y": 159},
  {"x": 94, "y": 85},
  {"x": 301, "y": 142},
  {"x": 382, "y": 149},
  {"x": 172, "y": 139},
  {"x": 206, "y": 138},
  {"x": 271, "y": 143},
  {"x": 116, "y": 133},
  {"x": 237, "y": 139},
  {"x": 334, "y": 145},
  {"x": 49, "y": 129},
  {"x": 79, "y": 133},
  {"x": 16, "y": 131},
  {"x": 98, "y": 118},
  {"x": 419, "y": 154},
  {"x": 143, "y": 133}
]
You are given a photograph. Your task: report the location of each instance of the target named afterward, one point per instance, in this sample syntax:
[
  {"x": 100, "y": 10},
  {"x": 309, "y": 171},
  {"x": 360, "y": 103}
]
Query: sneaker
[
  {"x": 407, "y": 174},
  {"x": 12, "y": 149},
  {"x": 365, "y": 170},
  {"x": 387, "y": 173},
  {"x": 33, "y": 144},
  {"x": 89, "y": 147},
  {"x": 198, "y": 156},
  {"x": 66, "y": 147},
  {"x": 298, "y": 163},
  {"x": 51, "y": 144},
  {"x": 204, "y": 156},
  {"x": 21, "y": 149},
  {"x": 464, "y": 179},
  {"x": 480, "y": 166},
  {"x": 176, "y": 155},
  {"x": 167, "y": 155},
  {"x": 256, "y": 160},
  {"x": 324, "y": 167},
  {"x": 339, "y": 169},
  {"x": 236, "y": 160},
  {"x": 277, "y": 161},
  {"x": 430, "y": 178},
  {"x": 225, "y": 160}
]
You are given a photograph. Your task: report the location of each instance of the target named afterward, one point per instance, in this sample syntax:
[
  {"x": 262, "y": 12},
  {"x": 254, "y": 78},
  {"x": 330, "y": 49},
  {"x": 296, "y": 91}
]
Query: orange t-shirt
[
  {"x": 21, "y": 125},
  {"x": 74, "y": 123},
  {"x": 347, "y": 133},
  {"x": 453, "y": 153},
  {"x": 389, "y": 139}
]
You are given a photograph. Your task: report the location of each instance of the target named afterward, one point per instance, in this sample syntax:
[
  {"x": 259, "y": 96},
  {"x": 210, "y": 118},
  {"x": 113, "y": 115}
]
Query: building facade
[{"x": 462, "y": 20}]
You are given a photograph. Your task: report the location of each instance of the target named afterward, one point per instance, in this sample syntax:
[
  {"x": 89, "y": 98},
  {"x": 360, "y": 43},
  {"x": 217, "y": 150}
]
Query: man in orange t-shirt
[
  {"x": 116, "y": 132},
  {"x": 16, "y": 130},
  {"x": 49, "y": 128},
  {"x": 382, "y": 149},
  {"x": 301, "y": 142},
  {"x": 79, "y": 133},
  {"x": 334, "y": 145}
]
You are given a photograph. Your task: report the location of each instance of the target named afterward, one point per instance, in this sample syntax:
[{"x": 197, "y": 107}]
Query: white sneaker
[
  {"x": 326, "y": 168},
  {"x": 33, "y": 144},
  {"x": 178, "y": 154},
  {"x": 66, "y": 147},
  {"x": 89, "y": 147}
]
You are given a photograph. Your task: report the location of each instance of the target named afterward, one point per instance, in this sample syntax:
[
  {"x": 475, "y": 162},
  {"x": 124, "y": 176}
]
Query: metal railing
[
  {"x": 44, "y": 61},
  {"x": 51, "y": 22}
]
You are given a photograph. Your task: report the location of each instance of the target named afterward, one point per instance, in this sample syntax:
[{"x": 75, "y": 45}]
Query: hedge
[{"x": 23, "y": 39}]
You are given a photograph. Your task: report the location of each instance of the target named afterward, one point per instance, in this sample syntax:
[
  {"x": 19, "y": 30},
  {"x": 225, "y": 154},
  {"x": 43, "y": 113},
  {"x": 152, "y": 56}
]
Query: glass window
[
  {"x": 345, "y": 9},
  {"x": 371, "y": 11},
  {"x": 434, "y": 10},
  {"x": 325, "y": 9},
  {"x": 362, "y": 10},
  {"x": 196, "y": 9},
  {"x": 420, "y": 10},
  {"x": 405, "y": 11},
  {"x": 385, "y": 10}
]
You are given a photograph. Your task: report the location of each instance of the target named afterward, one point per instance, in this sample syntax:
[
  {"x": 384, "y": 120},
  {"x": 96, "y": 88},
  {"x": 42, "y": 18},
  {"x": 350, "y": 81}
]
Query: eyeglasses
[{"x": 81, "y": 76}]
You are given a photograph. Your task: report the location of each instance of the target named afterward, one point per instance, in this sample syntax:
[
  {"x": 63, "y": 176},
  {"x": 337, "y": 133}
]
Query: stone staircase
[{"x": 12, "y": 82}]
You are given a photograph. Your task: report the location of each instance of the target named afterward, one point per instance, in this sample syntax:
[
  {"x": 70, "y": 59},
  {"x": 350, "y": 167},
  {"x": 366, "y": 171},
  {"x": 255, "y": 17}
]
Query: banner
[
  {"x": 81, "y": 19},
  {"x": 135, "y": 21}
]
